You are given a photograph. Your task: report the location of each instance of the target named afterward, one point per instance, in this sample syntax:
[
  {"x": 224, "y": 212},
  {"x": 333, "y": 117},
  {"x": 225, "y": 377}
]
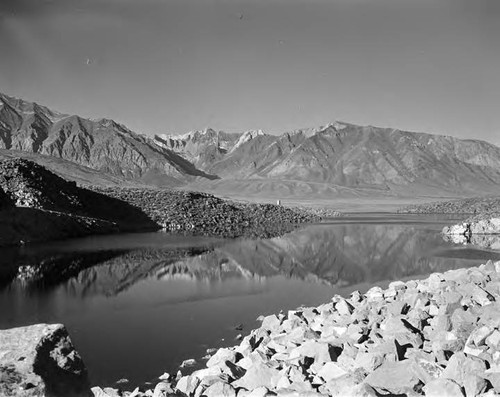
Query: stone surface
[
  {"x": 434, "y": 337},
  {"x": 41, "y": 360},
  {"x": 442, "y": 388},
  {"x": 395, "y": 378}
]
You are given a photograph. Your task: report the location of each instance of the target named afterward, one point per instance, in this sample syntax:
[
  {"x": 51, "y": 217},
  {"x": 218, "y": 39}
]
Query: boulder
[
  {"x": 187, "y": 384},
  {"x": 40, "y": 360},
  {"x": 222, "y": 356},
  {"x": 393, "y": 378},
  {"x": 258, "y": 375},
  {"x": 442, "y": 388},
  {"x": 220, "y": 389}
]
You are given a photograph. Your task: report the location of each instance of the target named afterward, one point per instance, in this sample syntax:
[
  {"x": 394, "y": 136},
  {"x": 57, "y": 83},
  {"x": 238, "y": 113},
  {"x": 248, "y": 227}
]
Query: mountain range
[{"x": 339, "y": 158}]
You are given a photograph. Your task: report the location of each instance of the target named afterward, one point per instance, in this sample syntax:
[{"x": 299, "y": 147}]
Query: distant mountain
[
  {"x": 201, "y": 148},
  {"x": 103, "y": 144},
  {"x": 353, "y": 156},
  {"x": 336, "y": 159}
]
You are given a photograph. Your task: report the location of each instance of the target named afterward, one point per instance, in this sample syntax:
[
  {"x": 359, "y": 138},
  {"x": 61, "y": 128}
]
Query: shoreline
[
  {"x": 412, "y": 338},
  {"x": 384, "y": 341}
]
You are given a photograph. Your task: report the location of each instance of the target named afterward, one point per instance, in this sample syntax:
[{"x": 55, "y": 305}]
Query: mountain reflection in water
[{"x": 157, "y": 299}]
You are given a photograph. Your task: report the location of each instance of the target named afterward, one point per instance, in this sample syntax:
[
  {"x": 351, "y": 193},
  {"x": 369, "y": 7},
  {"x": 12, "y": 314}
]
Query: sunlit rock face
[
  {"x": 337, "y": 154},
  {"x": 40, "y": 360},
  {"x": 102, "y": 144}
]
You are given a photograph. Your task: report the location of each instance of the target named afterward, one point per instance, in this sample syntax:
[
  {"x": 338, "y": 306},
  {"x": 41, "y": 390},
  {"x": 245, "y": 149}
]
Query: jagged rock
[
  {"x": 442, "y": 388},
  {"x": 395, "y": 378},
  {"x": 258, "y": 375},
  {"x": 163, "y": 389},
  {"x": 460, "y": 365},
  {"x": 330, "y": 371},
  {"x": 41, "y": 360},
  {"x": 188, "y": 363},
  {"x": 318, "y": 351},
  {"x": 474, "y": 384},
  {"x": 219, "y": 389},
  {"x": 369, "y": 360},
  {"x": 187, "y": 384},
  {"x": 258, "y": 392},
  {"x": 221, "y": 356}
]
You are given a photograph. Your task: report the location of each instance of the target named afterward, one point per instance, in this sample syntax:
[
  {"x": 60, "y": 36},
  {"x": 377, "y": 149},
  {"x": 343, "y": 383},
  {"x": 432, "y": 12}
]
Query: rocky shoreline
[
  {"x": 37, "y": 205},
  {"x": 480, "y": 230},
  {"x": 480, "y": 206},
  {"x": 434, "y": 337},
  {"x": 199, "y": 213}
]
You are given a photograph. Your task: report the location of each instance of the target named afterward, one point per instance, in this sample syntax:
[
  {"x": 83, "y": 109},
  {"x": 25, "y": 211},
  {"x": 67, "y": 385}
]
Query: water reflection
[
  {"x": 332, "y": 254},
  {"x": 156, "y": 299}
]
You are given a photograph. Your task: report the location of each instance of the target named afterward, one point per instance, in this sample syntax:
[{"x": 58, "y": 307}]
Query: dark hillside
[{"x": 30, "y": 185}]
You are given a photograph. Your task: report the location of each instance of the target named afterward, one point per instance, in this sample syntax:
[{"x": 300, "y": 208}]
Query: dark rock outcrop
[
  {"x": 40, "y": 360},
  {"x": 5, "y": 201},
  {"x": 204, "y": 214},
  {"x": 31, "y": 185}
]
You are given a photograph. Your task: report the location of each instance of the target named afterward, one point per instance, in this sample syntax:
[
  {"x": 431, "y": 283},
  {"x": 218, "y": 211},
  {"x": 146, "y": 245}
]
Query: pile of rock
[
  {"x": 204, "y": 214},
  {"x": 481, "y": 231},
  {"x": 31, "y": 185},
  {"x": 435, "y": 337},
  {"x": 474, "y": 205},
  {"x": 474, "y": 226}
]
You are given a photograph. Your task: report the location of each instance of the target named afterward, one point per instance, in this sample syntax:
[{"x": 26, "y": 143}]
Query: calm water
[{"x": 139, "y": 304}]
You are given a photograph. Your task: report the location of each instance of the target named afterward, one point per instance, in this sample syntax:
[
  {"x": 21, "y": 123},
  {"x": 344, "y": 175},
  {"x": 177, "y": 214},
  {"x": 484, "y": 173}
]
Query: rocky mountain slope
[
  {"x": 82, "y": 175},
  {"x": 347, "y": 155},
  {"x": 339, "y": 158},
  {"x": 99, "y": 144}
]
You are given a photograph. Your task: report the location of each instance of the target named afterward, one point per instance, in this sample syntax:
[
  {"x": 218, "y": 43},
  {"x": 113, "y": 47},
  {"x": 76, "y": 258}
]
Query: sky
[{"x": 161, "y": 66}]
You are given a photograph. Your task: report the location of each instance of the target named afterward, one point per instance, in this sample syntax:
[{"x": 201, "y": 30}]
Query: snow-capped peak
[{"x": 247, "y": 136}]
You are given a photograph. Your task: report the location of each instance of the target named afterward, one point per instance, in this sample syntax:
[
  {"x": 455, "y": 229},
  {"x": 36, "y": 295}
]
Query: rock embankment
[
  {"x": 477, "y": 205},
  {"x": 474, "y": 226},
  {"x": 40, "y": 360},
  {"x": 435, "y": 337},
  {"x": 30, "y": 185},
  {"x": 37, "y": 205},
  {"x": 204, "y": 214},
  {"x": 479, "y": 230}
]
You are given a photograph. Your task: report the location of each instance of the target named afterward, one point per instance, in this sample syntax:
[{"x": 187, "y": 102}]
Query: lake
[{"x": 137, "y": 305}]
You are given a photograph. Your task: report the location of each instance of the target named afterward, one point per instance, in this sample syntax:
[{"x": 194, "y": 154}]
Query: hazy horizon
[{"x": 169, "y": 67}]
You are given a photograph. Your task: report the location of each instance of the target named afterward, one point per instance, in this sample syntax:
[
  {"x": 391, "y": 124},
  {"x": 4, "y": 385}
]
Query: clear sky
[{"x": 162, "y": 66}]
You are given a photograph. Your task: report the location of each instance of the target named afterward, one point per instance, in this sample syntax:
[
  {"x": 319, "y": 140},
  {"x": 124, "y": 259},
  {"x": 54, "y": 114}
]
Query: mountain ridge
[
  {"x": 101, "y": 144},
  {"x": 338, "y": 155}
]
